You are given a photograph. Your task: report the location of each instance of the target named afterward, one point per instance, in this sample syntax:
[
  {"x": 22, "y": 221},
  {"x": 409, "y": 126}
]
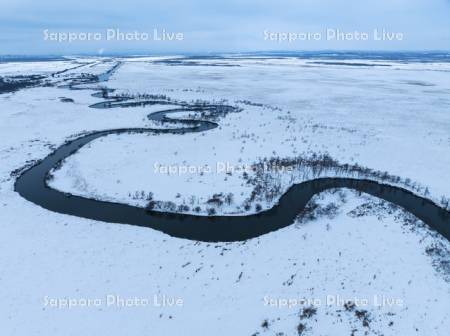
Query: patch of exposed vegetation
[
  {"x": 268, "y": 174},
  {"x": 16, "y": 83}
]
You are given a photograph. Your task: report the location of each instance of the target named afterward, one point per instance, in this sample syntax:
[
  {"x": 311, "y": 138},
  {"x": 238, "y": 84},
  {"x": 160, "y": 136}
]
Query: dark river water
[{"x": 31, "y": 185}]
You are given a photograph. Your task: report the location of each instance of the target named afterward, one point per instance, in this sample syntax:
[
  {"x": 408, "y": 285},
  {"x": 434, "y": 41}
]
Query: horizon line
[{"x": 199, "y": 53}]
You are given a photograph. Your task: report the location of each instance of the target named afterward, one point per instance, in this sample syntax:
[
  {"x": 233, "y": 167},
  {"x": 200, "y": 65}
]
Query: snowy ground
[
  {"x": 354, "y": 247},
  {"x": 393, "y": 120},
  {"x": 32, "y": 68}
]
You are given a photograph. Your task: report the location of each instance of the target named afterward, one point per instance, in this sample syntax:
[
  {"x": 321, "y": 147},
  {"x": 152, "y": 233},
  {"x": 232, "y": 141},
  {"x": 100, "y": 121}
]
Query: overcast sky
[{"x": 213, "y": 26}]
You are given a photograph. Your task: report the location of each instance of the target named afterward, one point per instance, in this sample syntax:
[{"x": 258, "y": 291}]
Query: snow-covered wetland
[{"x": 220, "y": 139}]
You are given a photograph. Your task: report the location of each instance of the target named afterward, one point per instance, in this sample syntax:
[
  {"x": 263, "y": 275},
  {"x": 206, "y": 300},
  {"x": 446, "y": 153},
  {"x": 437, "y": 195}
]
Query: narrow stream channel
[{"x": 31, "y": 185}]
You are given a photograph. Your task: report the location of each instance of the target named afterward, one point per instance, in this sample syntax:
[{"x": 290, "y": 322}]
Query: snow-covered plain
[{"x": 392, "y": 119}]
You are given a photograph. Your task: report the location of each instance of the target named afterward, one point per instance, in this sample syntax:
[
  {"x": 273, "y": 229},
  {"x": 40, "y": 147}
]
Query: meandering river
[{"x": 31, "y": 185}]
